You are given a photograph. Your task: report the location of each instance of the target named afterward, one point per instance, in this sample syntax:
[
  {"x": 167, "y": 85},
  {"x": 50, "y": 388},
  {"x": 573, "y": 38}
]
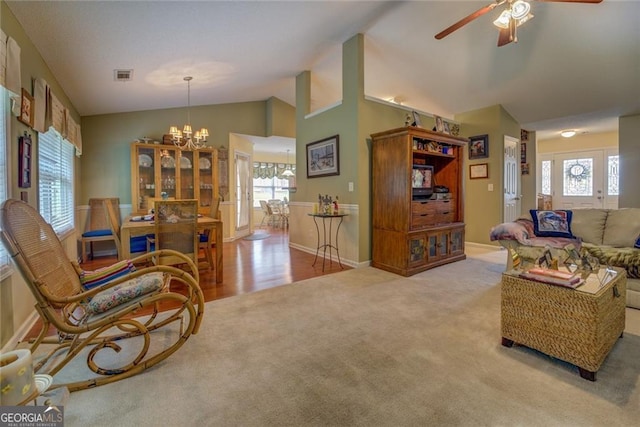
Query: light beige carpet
[{"x": 368, "y": 348}]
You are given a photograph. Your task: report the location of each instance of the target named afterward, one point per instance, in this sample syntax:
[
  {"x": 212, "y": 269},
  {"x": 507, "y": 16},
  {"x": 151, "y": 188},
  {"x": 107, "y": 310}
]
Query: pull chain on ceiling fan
[{"x": 517, "y": 13}]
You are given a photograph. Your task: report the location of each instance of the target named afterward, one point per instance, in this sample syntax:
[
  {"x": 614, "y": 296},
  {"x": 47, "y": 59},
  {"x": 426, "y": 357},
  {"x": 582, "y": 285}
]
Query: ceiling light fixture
[
  {"x": 184, "y": 139},
  {"x": 518, "y": 11},
  {"x": 288, "y": 172},
  {"x": 568, "y": 133}
]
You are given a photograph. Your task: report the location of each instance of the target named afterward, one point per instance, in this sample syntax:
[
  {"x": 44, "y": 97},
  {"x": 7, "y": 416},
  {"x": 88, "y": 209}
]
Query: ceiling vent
[{"x": 123, "y": 75}]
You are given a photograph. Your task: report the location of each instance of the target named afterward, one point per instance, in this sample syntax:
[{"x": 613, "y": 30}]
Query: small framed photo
[
  {"x": 479, "y": 147},
  {"x": 445, "y": 128},
  {"x": 439, "y": 124},
  {"x": 416, "y": 119},
  {"x": 479, "y": 171},
  {"x": 26, "y": 108},
  {"x": 323, "y": 157}
]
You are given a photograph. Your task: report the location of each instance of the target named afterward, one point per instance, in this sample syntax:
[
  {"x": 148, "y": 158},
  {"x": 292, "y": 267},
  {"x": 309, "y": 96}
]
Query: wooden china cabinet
[
  {"x": 182, "y": 174},
  {"x": 414, "y": 227}
]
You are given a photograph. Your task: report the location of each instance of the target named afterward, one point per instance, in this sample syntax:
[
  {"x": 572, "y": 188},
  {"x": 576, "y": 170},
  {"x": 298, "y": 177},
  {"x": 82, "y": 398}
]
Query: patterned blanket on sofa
[
  {"x": 627, "y": 258},
  {"x": 522, "y": 231}
]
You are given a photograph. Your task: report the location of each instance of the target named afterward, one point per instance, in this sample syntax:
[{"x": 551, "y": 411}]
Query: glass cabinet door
[
  {"x": 187, "y": 177},
  {"x": 169, "y": 158},
  {"x": 146, "y": 177},
  {"x": 205, "y": 180},
  {"x": 417, "y": 250},
  {"x": 457, "y": 241},
  {"x": 444, "y": 244}
]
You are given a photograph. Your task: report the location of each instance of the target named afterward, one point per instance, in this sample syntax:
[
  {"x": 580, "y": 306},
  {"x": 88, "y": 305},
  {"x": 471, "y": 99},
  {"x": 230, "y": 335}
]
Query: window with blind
[
  {"x": 55, "y": 177},
  {"x": 4, "y": 171}
]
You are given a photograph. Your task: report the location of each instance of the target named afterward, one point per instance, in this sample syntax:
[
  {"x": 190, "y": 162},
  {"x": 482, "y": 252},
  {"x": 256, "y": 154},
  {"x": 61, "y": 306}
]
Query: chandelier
[
  {"x": 186, "y": 139},
  {"x": 288, "y": 172}
]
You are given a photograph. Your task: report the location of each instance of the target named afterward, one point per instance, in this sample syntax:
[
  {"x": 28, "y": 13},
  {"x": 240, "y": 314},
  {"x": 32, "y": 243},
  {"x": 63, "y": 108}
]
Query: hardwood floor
[{"x": 251, "y": 265}]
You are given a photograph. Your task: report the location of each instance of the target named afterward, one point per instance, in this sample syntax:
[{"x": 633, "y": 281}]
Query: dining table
[{"x": 140, "y": 227}]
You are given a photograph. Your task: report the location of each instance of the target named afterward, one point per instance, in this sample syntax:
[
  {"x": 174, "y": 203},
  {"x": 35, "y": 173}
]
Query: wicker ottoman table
[{"x": 579, "y": 326}]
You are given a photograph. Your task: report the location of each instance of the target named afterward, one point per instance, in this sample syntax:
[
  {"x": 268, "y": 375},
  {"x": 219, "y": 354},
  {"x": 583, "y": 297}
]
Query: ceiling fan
[{"x": 517, "y": 13}]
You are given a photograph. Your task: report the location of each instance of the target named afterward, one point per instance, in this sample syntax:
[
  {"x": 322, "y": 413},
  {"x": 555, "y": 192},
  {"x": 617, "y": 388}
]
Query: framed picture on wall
[
  {"x": 24, "y": 161},
  {"x": 479, "y": 147},
  {"x": 323, "y": 157},
  {"x": 479, "y": 171},
  {"x": 27, "y": 105}
]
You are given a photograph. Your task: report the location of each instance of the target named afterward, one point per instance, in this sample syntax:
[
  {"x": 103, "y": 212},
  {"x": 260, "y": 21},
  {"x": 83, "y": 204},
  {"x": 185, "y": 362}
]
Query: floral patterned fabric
[{"x": 118, "y": 295}]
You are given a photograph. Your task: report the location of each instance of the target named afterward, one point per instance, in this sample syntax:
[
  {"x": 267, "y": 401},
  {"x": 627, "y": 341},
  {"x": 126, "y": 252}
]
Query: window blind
[{"x": 55, "y": 175}]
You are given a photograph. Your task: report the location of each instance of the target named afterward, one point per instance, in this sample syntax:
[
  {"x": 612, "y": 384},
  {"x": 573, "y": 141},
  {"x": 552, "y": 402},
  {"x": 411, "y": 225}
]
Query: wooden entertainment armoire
[{"x": 414, "y": 232}]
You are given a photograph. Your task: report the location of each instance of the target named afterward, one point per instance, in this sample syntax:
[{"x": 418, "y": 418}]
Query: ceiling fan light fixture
[
  {"x": 520, "y": 9},
  {"x": 568, "y": 133},
  {"x": 503, "y": 20},
  {"x": 523, "y": 20}
]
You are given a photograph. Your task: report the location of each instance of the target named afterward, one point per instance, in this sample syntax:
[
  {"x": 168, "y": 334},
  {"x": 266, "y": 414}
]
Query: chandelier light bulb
[{"x": 183, "y": 139}]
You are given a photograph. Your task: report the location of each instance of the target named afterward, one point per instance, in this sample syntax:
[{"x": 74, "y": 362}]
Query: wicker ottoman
[{"x": 578, "y": 326}]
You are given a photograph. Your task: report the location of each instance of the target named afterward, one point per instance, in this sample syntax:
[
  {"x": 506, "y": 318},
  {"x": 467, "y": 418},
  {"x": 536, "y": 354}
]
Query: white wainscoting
[{"x": 303, "y": 234}]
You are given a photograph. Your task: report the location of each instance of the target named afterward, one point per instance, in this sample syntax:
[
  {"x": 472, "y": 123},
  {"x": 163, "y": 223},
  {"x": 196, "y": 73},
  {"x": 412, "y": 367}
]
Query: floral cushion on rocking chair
[{"x": 125, "y": 292}]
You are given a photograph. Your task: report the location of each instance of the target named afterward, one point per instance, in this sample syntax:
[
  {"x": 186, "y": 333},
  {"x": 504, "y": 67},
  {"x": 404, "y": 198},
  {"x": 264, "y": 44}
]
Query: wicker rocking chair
[{"x": 100, "y": 317}]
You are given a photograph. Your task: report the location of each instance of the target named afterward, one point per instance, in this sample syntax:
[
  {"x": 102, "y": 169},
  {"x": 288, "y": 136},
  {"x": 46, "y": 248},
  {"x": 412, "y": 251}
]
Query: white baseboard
[{"x": 21, "y": 332}]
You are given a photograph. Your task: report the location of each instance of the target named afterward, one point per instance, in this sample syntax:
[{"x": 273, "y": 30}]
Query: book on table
[{"x": 553, "y": 277}]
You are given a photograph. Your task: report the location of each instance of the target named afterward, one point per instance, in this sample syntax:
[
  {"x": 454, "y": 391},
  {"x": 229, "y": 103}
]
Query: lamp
[
  {"x": 184, "y": 139},
  {"x": 568, "y": 133},
  {"x": 518, "y": 10},
  {"x": 288, "y": 172}
]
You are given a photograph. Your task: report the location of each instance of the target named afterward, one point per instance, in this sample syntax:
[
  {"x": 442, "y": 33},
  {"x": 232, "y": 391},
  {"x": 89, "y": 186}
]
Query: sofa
[{"x": 609, "y": 235}]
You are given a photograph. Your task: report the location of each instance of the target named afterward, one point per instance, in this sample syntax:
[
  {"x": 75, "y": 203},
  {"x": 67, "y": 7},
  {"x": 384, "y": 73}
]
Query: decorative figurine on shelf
[{"x": 336, "y": 211}]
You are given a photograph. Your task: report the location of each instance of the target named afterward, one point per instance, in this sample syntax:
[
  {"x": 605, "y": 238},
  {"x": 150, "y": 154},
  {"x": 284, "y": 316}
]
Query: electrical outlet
[
  {"x": 351, "y": 186},
  {"x": 490, "y": 187}
]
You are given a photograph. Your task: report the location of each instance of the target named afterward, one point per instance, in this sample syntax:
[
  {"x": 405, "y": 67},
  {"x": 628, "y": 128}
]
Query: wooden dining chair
[
  {"x": 176, "y": 228},
  {"x": 137, "y": 244},
  {"x": 207, "y": 238},
  {"x": 99, "y": 229}
]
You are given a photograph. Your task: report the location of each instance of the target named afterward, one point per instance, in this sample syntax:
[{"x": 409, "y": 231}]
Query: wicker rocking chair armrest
[{"x": 169, "y": 252}]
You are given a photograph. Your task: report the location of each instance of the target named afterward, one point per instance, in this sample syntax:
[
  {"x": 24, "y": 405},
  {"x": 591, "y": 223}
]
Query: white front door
[
  {"x": 511, "y": 179},
  {"x": 244, "y": 189},
  {"x": 579, "y": 180}
]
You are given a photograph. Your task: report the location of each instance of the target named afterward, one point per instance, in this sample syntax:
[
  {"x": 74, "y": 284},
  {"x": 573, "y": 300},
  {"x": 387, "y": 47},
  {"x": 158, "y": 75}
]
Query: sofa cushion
[
  {"x": 623, "y": 227},
  {"x": 588, "y": 224},
  {"x": 555, "y": 223}
]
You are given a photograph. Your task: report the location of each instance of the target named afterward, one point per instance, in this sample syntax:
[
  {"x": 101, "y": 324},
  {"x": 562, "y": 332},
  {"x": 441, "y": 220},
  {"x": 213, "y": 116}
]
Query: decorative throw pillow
[
  {"x": 91, "y": 279},
  {"x": 552, "y": 223},
  {"x": 637, "y": 245},
  {"x": 125, "y": 292}
]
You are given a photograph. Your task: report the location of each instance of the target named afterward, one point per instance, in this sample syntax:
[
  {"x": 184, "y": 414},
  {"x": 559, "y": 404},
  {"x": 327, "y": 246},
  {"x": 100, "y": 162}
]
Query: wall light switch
[
  {"x": 351, "y": 186},
  {"x": 490, "y": 187}
]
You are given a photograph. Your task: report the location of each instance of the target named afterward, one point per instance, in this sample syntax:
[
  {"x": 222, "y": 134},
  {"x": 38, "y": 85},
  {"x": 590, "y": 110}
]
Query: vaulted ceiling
[{"x": 574, "y": 65}]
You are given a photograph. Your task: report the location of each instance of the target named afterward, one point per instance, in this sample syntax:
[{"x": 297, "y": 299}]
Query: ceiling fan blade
[
  {"x": 464, "y": 21},
  {"x": 504, "y": 37},
  {"x": 571, "y": 1}
]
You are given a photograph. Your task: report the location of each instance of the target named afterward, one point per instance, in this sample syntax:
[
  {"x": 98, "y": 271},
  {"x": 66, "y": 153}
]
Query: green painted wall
[
  {"x": 107, "y": 139},
  {"x": 355, "y": 119},
  {"x": 483, "y": 209},
  {"x": 280, "y": 118}
]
